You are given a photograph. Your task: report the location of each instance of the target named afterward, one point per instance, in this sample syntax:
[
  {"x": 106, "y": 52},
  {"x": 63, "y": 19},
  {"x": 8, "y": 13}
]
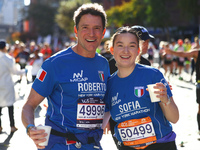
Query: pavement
[{"x": 184, "y": 94}]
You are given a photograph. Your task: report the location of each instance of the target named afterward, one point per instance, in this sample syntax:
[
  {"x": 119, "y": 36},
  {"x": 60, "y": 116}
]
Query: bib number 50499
[{"x": 137, "y": 132}]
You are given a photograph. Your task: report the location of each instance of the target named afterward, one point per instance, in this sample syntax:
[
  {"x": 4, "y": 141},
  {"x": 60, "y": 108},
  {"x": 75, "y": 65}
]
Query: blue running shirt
[
  {"x": 127, "y": 99},
  {"x": 75, "y": 87}
]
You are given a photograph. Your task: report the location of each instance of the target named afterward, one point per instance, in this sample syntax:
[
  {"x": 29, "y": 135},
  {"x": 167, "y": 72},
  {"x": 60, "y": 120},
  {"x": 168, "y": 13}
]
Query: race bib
[
  {"x": 90, "y": 113},
  {"x": 137, "y": 132}
]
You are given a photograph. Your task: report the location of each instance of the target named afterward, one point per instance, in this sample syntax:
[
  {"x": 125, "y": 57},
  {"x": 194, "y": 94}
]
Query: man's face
[
  {"x": 89, "y": 34},
  {"x": 144, "y": 46}
]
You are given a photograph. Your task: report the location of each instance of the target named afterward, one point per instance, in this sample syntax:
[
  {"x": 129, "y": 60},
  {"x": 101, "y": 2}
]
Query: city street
[{"x": 186, "y": 129}]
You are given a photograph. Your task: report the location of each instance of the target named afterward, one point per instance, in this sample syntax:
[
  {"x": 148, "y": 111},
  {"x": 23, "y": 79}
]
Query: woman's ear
[
  {"x": 75, "y": 31},
  {"x": 111, "y": 50}
]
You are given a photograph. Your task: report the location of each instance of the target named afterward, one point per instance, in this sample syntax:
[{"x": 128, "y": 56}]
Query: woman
[{"x": 141, "y": 123}]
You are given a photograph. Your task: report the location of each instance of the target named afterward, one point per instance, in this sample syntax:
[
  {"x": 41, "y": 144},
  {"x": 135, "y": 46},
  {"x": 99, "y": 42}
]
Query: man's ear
[
  {"x": 75, "y": 31},
  {"x": 104, "y": 31},
  {"x": 111, "y": 50}
]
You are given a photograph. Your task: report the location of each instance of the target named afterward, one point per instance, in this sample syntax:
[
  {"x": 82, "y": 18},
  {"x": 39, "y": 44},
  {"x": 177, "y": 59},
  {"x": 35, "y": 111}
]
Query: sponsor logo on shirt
[
  {"x": 78, "y": 77},
  {"x": 115, "y": 100},
  {"x": 139, "y": 91},
  {"x": 41, "y": 75}
]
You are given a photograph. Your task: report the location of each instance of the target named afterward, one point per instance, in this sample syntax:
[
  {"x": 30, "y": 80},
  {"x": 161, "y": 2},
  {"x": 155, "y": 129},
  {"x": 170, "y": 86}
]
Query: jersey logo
[
  {"x": 41, "y": 75},
  {"x": 78, "y": 77},
  {"x": 139, "y": 91},
  {"x": 101, "y": 75}
]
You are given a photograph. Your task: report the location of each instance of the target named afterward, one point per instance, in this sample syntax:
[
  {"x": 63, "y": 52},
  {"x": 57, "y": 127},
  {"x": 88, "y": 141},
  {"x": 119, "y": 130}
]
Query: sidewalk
[{"x": 184, "y": 94}]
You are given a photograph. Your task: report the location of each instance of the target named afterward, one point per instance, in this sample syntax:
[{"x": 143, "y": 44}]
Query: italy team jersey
[
  {"x": 75, "y": 87},
  {"x": 130, "y": 106}
]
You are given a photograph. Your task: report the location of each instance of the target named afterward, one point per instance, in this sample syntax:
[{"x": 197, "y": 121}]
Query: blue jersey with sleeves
[
  {"x": 74, "y": 87},
  {"x": 127, "y": 98}
]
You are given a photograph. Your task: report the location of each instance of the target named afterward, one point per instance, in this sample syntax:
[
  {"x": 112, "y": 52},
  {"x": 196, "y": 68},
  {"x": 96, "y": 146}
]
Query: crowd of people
[
  {"x": 175, "y": 65},
  {"x": 81, "y": 84},
  {"x": 26, "y": 54},
  {"x": 32, "y": 54}
]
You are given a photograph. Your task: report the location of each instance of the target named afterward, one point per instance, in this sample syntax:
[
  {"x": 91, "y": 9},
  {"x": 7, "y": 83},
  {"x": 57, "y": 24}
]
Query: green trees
[
  {"x": 64, "y": 17},
  {"x": 149, "y": 13},
  {"x": 42, "y": 15}
]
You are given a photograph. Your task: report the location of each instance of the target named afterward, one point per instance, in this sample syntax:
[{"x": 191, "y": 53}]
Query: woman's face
[{"x": 125, "y": 50}]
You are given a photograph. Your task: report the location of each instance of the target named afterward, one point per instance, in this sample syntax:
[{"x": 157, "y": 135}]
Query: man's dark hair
[{"x": 90, "y": 8}]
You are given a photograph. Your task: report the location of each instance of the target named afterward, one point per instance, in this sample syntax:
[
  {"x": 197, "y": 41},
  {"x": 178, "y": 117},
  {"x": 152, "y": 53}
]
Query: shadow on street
[{"x": 5, "y": 144}]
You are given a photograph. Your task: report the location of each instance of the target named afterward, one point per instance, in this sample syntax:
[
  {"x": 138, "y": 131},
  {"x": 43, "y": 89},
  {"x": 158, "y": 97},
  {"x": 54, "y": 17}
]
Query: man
[
  {"x": 74, "y": 82},
  {"x": 195, "y": 54},
  {"x": 180, "y": 47},
  {"x": 7, "y": 91},
  {"x": 144, "y": 42}
]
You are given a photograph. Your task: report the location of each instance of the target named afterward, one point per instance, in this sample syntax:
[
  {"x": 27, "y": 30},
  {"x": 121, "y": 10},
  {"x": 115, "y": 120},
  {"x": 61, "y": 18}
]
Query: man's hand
[{"x": 38, "y": 136}]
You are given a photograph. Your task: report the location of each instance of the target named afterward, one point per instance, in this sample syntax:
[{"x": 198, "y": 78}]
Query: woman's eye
[{"x": 120, "y": 45}]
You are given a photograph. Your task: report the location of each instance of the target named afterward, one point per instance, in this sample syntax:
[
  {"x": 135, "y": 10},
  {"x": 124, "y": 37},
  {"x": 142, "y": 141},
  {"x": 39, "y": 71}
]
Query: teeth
[
  {"x": 90, "y": 40},
  {"x": 125, "y": 56}
]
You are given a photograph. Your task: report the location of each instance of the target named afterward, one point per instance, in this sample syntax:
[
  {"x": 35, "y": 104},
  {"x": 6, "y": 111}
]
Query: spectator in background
[
  {"x": 106, "y": 50},
  {"x": 195, "y": 45},
  {"x": 7, "y": 91},
  {"x": 46, "y": 51},
  {"x": 167, "y": 60},
  {"x": 161, "y": 49},
  {"x": 180, "y": 48},
  {"x": 150, "y": 52},
  {"x": 187, "y": 45},
  {"x": 174, "y": 58},
  {"x": 36, "y": 60},
  {"x": 14, "y": 51},
  {"x": 144, "y": 43},
  {"x": 32, "y": 47},
  {"x": 195, "y": 53},
  {"x": 22, "y": 58}
]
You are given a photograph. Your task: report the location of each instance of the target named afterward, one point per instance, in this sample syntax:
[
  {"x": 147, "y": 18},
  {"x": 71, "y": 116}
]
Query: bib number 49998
[{"x": 91, "y": 110}]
